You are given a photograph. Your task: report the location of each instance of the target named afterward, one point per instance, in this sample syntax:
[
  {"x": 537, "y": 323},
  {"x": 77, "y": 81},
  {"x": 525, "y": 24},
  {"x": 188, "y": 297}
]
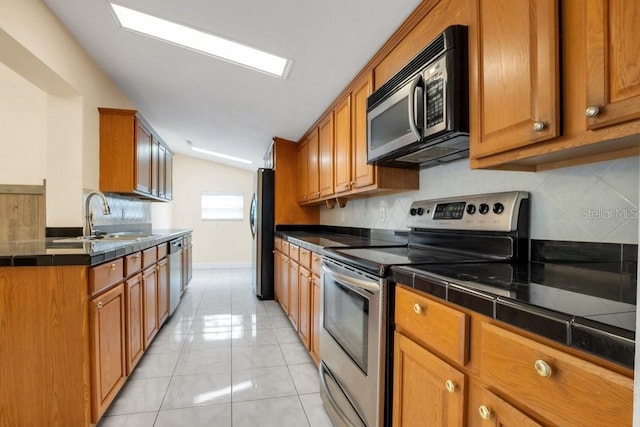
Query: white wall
[
  {"x": 59, "y": 137},
  {"x": 594, "y": 203},
  {"x": 216, "y": 243}
]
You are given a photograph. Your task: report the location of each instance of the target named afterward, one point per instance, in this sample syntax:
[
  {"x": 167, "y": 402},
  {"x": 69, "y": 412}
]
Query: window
[{"x": 222, "y": 206}]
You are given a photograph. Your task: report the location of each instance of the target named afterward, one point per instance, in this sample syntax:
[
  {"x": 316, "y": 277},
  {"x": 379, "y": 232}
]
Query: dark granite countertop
[
  {"x": 64, "y": 251},
  {"x": 588, "y": 304}
]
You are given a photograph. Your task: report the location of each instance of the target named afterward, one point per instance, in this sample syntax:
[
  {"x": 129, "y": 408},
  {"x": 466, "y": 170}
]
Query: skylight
[{"x": 202, "y": 42}]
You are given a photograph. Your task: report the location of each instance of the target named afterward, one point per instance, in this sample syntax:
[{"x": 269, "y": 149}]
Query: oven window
[{"x": 346, "y": 318}]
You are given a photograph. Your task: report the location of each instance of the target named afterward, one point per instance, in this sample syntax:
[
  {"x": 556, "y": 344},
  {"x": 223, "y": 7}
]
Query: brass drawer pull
[
  {"x": 113, "y": 266},
  {"x": 450, "y": 386},
  {"x": 542, "y": 368},
  {"x": 417, "y": 309},
  {"x": 485, "y": 413},
  {"x": 100, "y": 305}
]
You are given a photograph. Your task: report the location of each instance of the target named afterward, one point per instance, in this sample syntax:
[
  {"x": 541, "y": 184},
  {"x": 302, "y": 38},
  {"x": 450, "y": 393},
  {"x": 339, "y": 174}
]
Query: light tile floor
[{"x": 224, "y": 358}]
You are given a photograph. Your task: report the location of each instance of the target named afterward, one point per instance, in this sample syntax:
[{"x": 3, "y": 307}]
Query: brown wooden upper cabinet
[
  {"x": 133, "y": 159},
  {"x": 530, "y": 113},
  {"x": 338, "y": 146},
  {"x": 514, "y": 51}
]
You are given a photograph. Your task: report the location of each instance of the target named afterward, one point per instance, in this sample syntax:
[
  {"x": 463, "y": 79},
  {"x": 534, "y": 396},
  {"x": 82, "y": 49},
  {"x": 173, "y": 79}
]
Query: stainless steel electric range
[{"x": 355, "y": 340}]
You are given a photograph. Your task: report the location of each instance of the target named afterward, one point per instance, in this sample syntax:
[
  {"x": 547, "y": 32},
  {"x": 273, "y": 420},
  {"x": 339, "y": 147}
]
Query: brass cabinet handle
[
  {"x": 100, "y": 305},
  {"x": 542, "y": 368},
  {"x": 136, "y": 256},
  {"x": 539, "y": 126},
  {"x": 346, "y": 185},
  {"x": 352, "y": 183},
  {"x": 592, "y": 111},
  {"x": 485, "y": 413},
  {"x": 417, "y": 309},
  {"x": 450, "y": 386},
  {"x": 113, "y": 266}
]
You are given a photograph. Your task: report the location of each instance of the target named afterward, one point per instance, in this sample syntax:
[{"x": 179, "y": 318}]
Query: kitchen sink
[{"x": 112, "y": 237}]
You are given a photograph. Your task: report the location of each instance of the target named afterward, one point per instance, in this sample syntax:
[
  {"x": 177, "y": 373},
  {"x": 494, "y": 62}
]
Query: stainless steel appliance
[
  {"x": 175, "y": 274},
  {"x": 261, "y": 219},
  {"x": 356, "y": 341},
  {"x": 420, "y": 117}
]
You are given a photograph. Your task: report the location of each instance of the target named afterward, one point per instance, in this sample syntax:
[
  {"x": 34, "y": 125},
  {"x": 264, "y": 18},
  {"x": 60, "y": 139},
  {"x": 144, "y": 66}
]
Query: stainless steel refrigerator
[{"x": 261, "y": 217}]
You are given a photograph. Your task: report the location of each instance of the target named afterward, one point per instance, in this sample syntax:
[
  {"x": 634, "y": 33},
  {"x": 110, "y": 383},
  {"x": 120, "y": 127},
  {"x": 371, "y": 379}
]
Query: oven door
[{"x": 351, "y": 339}]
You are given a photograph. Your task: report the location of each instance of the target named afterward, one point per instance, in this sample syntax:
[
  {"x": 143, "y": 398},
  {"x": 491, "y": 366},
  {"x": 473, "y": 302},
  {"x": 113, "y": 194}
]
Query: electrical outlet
[{"x": 382, "y": 214}]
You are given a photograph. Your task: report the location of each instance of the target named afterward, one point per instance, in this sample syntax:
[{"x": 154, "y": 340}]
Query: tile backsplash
[
  {"x": 593, "y": 203},
  {"x": 127, "y": 214}
]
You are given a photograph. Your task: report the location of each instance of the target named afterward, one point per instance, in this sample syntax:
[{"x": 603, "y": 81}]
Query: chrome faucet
[{"x": 88, "y": 215}]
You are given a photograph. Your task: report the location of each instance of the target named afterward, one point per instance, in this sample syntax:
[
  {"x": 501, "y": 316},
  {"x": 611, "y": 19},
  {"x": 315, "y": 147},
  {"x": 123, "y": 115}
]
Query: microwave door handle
[{"x": 412, "y": 112}]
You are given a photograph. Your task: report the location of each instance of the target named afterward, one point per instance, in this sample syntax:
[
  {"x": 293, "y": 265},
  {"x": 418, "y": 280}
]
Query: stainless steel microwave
[{"x": 420, "y": 117}]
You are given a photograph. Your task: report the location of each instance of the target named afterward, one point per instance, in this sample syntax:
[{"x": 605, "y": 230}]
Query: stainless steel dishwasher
[{"x": 175, "y": 274}]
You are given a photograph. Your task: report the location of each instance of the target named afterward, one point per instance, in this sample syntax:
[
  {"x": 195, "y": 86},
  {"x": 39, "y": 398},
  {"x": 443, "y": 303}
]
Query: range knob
[
  {"x": 420, "y": 211},
  {"x": 471, "y": 209},
  {"x": 498, "y": 208},
  {"x": 413, "y": 212},
  {"x": 484, "y": 208}
]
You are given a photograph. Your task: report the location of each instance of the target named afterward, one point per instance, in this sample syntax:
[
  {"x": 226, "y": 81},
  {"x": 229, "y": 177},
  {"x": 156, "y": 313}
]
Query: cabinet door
[
  {"x": 325, "y": 155},
  {"x": 163, "y": 291},
  {"x": 162, "y": 172},
  {"x": 143, "y": 159},
  {"x": 513, "y": 45},
  {"x": 155, "y": 166},
  {"x": 363, "y": 174},
  {"x": 168, "y": 178},
  {"x": 487, "y": 409},
  {"x": 420, "y": 377},
  {"x": 315, "y": 319},
  {"x": 135, "y": 314},
  {"x": 304, "y": 298},
  {"x": 302, "y": 172},
  {"x": 277, "y": 274},
  {"x": 342, "y": 117},
  {"x": 613, "y": 62},
  {"x": 108, "y": 369},
  {"x": 149, "y": 287},
  {"x": 294, "y": 303},
  {"x": 313, "y": 166},
  {"x": 284, "y": 283}
]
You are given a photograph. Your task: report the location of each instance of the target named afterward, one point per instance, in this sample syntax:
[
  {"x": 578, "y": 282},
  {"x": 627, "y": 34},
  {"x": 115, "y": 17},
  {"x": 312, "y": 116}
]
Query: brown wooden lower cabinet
[
  {"x": 108, "y": 365},
  {"x": 511, "y": 377},
  {"x": 315, "y": 319},
  {"x": 163, "y": 291},
  {"x": 135, "y": 314},
  {"x": 304, "y": 300},
  {"x": 150, "y": 298},
  {"x": 294, "y": 303},
  {"x": 426, "y": 390}
]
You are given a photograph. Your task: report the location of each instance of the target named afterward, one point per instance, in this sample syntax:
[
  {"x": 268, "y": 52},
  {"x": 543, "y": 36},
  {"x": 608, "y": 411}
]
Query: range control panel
[{"x": 481, "y": 212}]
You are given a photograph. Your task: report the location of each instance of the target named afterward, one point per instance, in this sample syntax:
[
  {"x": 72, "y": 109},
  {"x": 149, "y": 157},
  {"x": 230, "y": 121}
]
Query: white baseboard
[{"x": 212, "y": 265}]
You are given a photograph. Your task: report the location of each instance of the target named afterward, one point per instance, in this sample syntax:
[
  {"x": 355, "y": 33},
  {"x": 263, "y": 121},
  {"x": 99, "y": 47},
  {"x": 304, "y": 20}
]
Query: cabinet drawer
[
  {"x": 104, "y": 276},
  {"x": 277, "y": 244},
  {"x": 441, "y": 328},
  {"x": 132, "y": 264},
  {"x": 149, "y": 257},
  {"x": 294, "y": 252},
  {"x": 162, "y": 250},
  {"x": 304, "y": 257},
  {"x": 285, "y": 248},
  {"x": 316, "y": 261},
  {"x": 562, "y": 388}
]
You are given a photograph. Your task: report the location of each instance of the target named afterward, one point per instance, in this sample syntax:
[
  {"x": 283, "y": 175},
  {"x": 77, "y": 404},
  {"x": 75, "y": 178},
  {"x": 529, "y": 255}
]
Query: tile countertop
[
  {"x": 51, "y": 251},
  {"x": 587, "y": 306}
]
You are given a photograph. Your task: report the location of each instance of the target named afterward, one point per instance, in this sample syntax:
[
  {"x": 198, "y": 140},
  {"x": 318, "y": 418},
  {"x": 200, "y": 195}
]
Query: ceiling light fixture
[
  {"x": 220, "y": 155},
  {"x": 202, "y": 42}
]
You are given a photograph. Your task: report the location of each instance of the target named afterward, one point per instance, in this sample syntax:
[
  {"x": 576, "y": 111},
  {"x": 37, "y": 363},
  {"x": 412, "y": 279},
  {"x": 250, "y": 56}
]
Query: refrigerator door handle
[{"x": 253, "y": 213}]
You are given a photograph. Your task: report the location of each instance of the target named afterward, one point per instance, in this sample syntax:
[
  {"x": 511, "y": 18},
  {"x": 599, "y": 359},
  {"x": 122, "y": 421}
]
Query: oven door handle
[
  {"x": 354, "y": 281},
  {"x": 332, "y": 401}
]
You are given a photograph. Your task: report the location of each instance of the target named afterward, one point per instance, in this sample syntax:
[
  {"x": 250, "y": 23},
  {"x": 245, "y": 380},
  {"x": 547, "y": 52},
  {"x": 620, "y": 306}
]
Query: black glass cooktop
[{"x": 379, "y": 260}]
